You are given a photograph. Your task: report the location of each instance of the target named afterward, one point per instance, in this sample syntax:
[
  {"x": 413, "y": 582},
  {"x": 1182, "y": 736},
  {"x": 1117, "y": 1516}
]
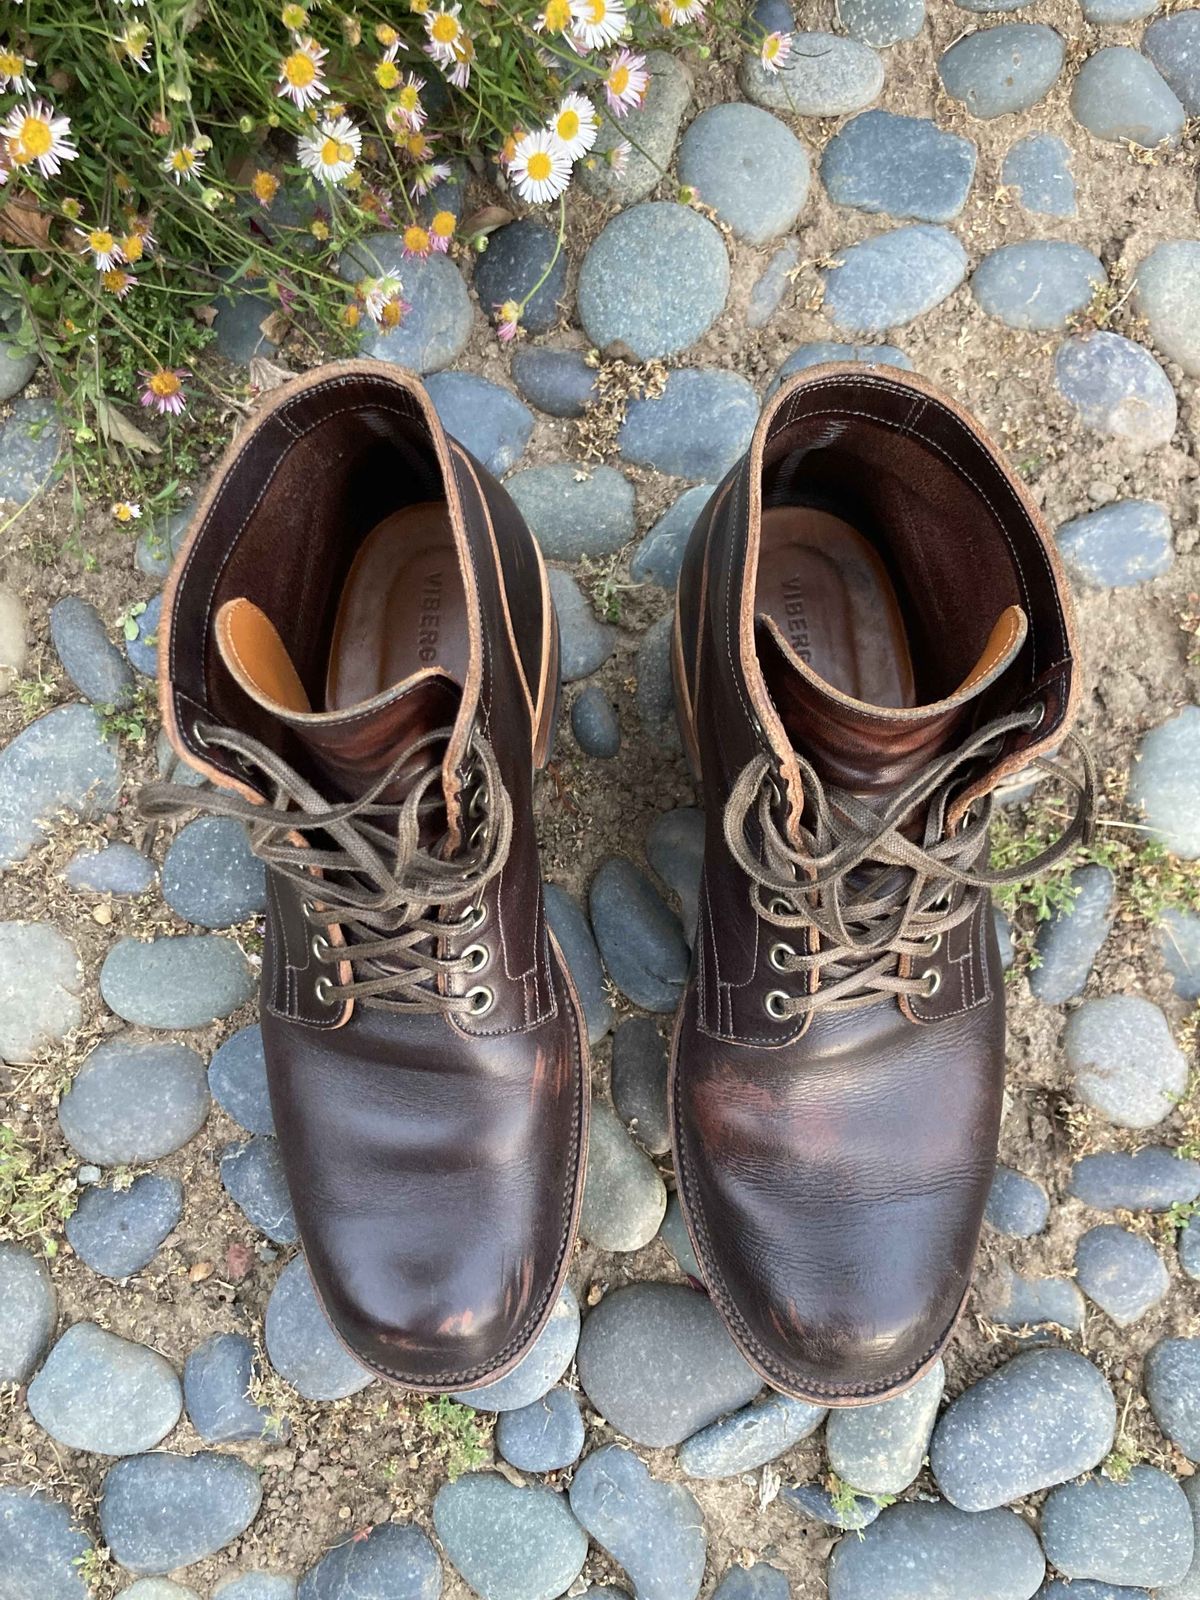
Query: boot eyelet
[
  {"x": 775, "y": 793},
  {"x": 778, "y": 956},
  {"x": 308, "y": 907},
  {"x": 480, "y": 1000},
  {"x": 478, "y": 834},
  {"x": 476, "y": 957},
  {"x": 323, "y": 989},
  {"x": 1040, "y": 708},
  {"x": 473, "y": 918},
  {"x": 319, "y": 946},
  {"x": 477, "y": 802},
  {"x": 942, "y": 902},
  {"x": 779, "y": 907},
  {"x": 933, "y": 944},
  {"x": 933, "y": 982},
  {"x": 776, "y": 1004},
  {"x": 199, "y": 737}
]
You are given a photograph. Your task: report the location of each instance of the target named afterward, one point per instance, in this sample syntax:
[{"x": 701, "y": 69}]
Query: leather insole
[
  {"x": 823, "y": 585},
  {"x": 402, "y": 611}
]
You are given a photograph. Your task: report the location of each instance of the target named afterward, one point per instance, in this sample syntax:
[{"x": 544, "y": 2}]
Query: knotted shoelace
[
  {"x": 366, "y": 869},
  {"x": 861, "y": 893}
]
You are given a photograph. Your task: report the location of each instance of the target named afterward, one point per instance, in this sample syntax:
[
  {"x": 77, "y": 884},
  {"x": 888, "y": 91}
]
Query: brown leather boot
[
  {"x": 359, "y": 648},
  {"x": 872, "y": 632}
]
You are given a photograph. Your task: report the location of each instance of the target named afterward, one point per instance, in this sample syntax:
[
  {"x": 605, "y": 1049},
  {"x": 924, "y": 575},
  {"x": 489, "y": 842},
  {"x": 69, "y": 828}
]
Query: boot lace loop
[
  {"x": 363, "y": 866},
  {"x": 858, "y": 891}
]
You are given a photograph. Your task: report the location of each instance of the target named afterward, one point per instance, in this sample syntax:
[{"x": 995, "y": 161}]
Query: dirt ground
[{"x": 368, "y": 1459}]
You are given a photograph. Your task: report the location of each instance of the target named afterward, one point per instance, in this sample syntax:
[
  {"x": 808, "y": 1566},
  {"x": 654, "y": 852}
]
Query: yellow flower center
[
  {"x": 443, "y": 224},
  {"x": 618, "y": 79},
  {"x": 387, "y": 75},
  {"x": 444, "y": 29},
  {"x": 390, "y": 314},
  {"x": 567, "y": 125},
  {"x": 10, "y": 65},
  {"x": 101, "y": 241},
  {"x": 133, "y": 247},
  {"x": 539, "y": 166},
  {"x": 558, "y": 16},
  {"x": 299, "y": 70},
  {"x": 416, "y": 239},
  {"x": 771, "y": 48},
  {"x": 123, "y": 512},
  {"x": 386, "y": 35},
  {"x": 183, "y": 160},
  {"x": 163, "y": 384},
  {"x": 35, "y": 138},
  {"x": 264, "y": 186},
  {"x": 409, "y": 98},
  {"x": 294, "y": 17},
  {"x": 113, "y": 281},
  {"x": 333, "y": 152},
  {"x": 597, "y": 11}
]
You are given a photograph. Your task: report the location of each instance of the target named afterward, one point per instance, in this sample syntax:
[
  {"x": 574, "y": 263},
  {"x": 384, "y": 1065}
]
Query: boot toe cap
[{"x": 445, "y": 1333}]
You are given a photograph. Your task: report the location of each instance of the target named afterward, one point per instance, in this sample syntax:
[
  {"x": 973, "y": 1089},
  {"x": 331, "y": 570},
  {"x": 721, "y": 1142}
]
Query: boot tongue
[
  {"x": 869, "y": 749},
  {"x": 349, "y": 748}
]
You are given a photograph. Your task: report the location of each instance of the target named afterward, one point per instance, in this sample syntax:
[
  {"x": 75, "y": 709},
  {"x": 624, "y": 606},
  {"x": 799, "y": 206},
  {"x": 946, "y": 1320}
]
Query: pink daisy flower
[{"x": 163, "y": 389}]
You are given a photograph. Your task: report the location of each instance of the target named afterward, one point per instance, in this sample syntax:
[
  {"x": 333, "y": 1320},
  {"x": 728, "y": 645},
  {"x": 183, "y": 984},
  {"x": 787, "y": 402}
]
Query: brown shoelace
[
  {"x": 858, "y": 890},
  {"x": 367, "y": 871}
]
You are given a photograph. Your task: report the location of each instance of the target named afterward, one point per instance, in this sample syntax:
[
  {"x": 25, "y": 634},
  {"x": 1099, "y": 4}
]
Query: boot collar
[{"x": 827, "y": 406}]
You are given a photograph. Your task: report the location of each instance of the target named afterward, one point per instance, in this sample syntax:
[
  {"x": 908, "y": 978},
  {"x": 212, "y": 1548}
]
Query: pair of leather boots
[{"x": 360, "y": 652}]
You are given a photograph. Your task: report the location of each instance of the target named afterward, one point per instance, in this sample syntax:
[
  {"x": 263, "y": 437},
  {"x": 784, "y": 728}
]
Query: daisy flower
[
  {"x": 264, "y": 186},
  {"x": 101, "y": 245},
  {"x": 416, "y": 240},
  {"x": 444, "y": 31},
  {"x": 15, "y": 71},
  {"x": 387, "y": 73},
  {"x": 676, "y": 13},
  {"x": 618, "y": 157},
  {"x": 508, "y": 320},
  {"x": 441, "y": 230},
  {"x": 428, "y": 176},
  {"x": 163, "y": 389},
  {"x": 406, "y": 111},
  {"x": 386, "y": 35},
  {"x": 301, "y": 77},
  {"x": 464, "y": 54},
  {"x": 626, "y": 82},
  {"x": 139, "y": 241},
  {"x": 126, "y": 510},
  {"x": 393, "y": 313},
  {"x": 330, "y": 151},
  {"x": 416, "y": 146},
  {"x": 598, "y": 22},
  {"x": 556, "y": 18},
  {"x": 34, "y": 136},
  {"x": 540, "y": 168},
  {"x": 117, "y": 282},
  {"x": 776, "y": 48},
  {"x": 376, "y": 292},
  {"x": 183, "y": 162},
  {"x": 574, "y": 125},
  {"x": 135, "y": 45}
]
